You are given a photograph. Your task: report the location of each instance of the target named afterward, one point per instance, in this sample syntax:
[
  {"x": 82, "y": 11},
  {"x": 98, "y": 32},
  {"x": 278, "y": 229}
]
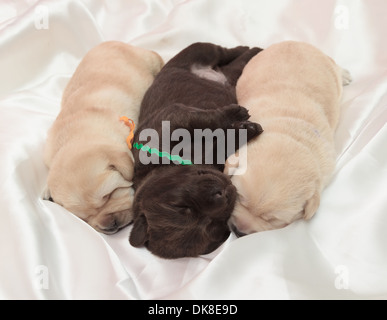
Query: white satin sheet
[{"x": 48, "y": 253}]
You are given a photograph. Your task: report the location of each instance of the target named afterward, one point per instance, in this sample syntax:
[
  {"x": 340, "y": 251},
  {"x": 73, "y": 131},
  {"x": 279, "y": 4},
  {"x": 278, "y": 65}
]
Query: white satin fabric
[{"x": 48, "y": 253}]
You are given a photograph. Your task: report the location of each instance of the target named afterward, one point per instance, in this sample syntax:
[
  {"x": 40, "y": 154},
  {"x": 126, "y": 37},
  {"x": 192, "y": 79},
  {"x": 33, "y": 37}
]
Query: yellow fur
[
  {"x": 90, "y": 165},
  {"x": 293, "y": 90}
]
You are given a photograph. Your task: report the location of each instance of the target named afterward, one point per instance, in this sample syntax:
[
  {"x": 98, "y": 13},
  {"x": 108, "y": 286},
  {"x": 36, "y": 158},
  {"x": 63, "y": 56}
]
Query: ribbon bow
[{"x": 130, "y": 123}]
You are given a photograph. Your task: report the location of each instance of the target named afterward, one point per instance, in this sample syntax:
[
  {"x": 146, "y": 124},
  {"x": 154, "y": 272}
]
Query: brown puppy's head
[
  {"x": 94, "y": 184},
  {"x": 182, "y": 211}
]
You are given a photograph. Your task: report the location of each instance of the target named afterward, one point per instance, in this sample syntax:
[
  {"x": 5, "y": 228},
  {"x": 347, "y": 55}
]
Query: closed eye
[
  {"x": 106, "y": 197},
  {"x": 274, "y": 221},
  {"x": 112, "y": 167}
]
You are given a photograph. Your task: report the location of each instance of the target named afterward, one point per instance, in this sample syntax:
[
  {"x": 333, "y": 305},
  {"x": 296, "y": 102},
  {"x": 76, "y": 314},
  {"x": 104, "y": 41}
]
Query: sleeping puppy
[
  {"x": 90, "y": 165},
  {"x": 294, "y": 90},
  {"x": 181, "y": 210}
]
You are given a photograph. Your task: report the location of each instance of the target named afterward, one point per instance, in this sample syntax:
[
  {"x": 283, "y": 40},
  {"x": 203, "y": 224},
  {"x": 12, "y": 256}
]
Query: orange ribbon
[{"x": 130, "y": 124}]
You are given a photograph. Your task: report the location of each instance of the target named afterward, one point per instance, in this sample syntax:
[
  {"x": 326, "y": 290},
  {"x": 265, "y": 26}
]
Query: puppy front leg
[
  {"x": 232, "y": 116},
  {"x": 236, "y": 117},
  {"x": 228, "y": 117}
]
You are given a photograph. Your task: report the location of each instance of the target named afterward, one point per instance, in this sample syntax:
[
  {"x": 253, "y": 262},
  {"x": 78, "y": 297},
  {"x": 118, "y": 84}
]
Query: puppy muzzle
[{"x": 236, "y": 231}]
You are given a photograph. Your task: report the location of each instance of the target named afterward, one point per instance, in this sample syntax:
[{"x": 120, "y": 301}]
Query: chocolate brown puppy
[{"x": 182, "y": 199}]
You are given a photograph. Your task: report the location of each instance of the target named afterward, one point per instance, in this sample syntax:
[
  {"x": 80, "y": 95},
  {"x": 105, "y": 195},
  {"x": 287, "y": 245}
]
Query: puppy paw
[
  {"x": 253, "y": 129},
  {"x": 346, "y": 77},
  {"x": 254, "y": 51},
  {"x": 235, "y": 113},
  {"x": 241, "y": 49}
]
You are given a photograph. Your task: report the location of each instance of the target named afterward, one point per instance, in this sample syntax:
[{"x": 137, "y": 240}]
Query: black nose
[
  {"x": 237, "y": 232},
  {"x": 218, "y": 194}
]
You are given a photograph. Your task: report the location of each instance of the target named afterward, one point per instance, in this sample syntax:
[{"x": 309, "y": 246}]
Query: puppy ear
[
  {"x": 123, "y": 163},
  {"x": 311, "y": 206},
  {"x": 139, "y": 234}
]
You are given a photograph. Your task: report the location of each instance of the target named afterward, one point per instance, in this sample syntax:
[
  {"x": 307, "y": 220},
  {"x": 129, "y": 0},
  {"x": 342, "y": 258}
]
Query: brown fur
[
  {"x": 175, "y": 219},
  {"x": 182, "y": 211}
]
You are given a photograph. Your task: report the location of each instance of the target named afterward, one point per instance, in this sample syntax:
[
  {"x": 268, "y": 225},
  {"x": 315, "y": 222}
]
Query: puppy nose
[
  {"x": 218, "y": 194},
  {"x": 237, "y": 232},
  {"x": 112, "y": 228}
]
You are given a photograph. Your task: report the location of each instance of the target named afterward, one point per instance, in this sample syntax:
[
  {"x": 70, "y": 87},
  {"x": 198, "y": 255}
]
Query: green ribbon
[{"x": 140, "y": 146}]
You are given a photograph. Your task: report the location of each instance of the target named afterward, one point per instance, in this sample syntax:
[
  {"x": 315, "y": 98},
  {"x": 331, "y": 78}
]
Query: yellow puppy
[
  {"x": 293, "y": 90},
  {"x": 90, "y": 164}
]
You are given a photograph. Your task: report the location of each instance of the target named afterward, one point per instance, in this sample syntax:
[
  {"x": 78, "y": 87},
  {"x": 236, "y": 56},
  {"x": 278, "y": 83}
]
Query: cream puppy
[
  {"x": 293, "y": 90},
  {"x": 90, "y": 164}
]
